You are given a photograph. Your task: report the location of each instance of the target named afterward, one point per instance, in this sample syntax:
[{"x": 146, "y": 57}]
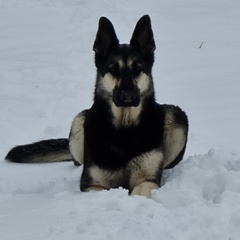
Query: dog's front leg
[
  {"x": 92, "y": 179},
  {"x": 145, "y": 173}
]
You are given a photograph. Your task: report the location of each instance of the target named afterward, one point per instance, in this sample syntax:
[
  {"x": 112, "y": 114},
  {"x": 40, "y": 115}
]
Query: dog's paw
[
  {"x": 144, "y": 189},
  {"x": 94, "y": 188}
]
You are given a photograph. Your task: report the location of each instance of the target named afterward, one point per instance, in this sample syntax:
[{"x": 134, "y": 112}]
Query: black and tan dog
[{"x": 126, "y": 138}]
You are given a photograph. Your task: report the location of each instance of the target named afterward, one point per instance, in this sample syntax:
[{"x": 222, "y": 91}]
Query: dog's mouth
[{"x": 126, "y": 104}]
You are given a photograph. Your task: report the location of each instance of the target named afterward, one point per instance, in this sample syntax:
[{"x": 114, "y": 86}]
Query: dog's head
[{"x": 124, "y": 70}]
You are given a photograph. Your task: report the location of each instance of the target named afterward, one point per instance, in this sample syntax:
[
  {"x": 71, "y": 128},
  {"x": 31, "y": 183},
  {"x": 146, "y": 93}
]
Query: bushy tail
[{"x": 52, "y": 150}]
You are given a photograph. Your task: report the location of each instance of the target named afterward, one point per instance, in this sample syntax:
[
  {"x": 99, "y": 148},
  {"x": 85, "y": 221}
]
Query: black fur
[{"x": 112, "y": 148}]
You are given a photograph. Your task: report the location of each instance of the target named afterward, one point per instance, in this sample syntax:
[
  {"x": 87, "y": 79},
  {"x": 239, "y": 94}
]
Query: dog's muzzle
[{"x": 126, "y": 98}]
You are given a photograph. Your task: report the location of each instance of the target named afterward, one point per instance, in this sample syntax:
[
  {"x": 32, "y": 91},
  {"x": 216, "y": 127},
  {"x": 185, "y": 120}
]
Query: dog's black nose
[{"x": 128, "y": 96}]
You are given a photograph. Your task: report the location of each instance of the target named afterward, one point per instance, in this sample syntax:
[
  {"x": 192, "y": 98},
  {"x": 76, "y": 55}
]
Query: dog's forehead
[
  {"x": 124, "y": 62},
  {"x": 125, "y": 56}
]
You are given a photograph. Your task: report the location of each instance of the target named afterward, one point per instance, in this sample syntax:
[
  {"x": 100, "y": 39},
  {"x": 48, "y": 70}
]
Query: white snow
[{"x": 47, "y": 76}]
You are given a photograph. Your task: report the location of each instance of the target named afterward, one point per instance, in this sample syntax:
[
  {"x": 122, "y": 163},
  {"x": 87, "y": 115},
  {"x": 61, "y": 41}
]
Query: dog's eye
[
  {"x": 137, "y": 69},
  {"x": 113, "y": 69}
]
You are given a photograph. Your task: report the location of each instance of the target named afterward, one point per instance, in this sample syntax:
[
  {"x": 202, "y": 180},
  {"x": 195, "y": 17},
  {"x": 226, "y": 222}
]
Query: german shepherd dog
[{"x": 126, "y": 138}]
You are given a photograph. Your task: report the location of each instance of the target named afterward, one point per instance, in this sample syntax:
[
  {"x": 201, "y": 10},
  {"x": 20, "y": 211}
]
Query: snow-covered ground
[{"x": 47, "y": 76}]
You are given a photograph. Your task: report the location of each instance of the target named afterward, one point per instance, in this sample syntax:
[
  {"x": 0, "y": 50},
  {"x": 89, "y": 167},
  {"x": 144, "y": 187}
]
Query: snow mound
[{"x": 199, "y": 199}]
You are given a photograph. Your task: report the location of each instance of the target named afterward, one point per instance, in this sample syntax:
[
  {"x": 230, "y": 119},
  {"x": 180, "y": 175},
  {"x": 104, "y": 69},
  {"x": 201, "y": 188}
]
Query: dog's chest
[{"x": 114, "y": 148}]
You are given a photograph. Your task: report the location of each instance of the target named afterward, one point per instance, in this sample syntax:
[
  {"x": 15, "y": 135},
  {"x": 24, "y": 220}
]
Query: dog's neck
[
  {"x": 132, "y": 116},
  {"x": 126, "y": 116}
]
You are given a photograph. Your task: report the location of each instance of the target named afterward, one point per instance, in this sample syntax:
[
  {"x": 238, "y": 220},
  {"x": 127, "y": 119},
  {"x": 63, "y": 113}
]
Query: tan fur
[
  {"x": 94, "y": 188},
  {"x": 106, "y": 179},
  {"x": 143, "y": 82},
  {"x": 144, "y": 167},
  {"x": 108, "y": 83},
  {"x": 174, "y": 138},
  {"x": 126, "y": 116},
  {"x": 144, "y": 189},
  {"x": 76, "y": 138}
]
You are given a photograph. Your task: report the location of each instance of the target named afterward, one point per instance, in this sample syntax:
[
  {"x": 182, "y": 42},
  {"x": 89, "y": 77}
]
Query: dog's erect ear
[
  {"x": 142, "y": 38},
  {"x": 106, "y": 38}
]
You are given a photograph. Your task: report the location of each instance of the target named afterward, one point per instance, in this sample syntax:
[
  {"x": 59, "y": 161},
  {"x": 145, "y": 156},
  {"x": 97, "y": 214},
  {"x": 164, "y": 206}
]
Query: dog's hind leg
[
  {"x": 76, "y": 139},
  {"x": 175, "y": 135}
]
